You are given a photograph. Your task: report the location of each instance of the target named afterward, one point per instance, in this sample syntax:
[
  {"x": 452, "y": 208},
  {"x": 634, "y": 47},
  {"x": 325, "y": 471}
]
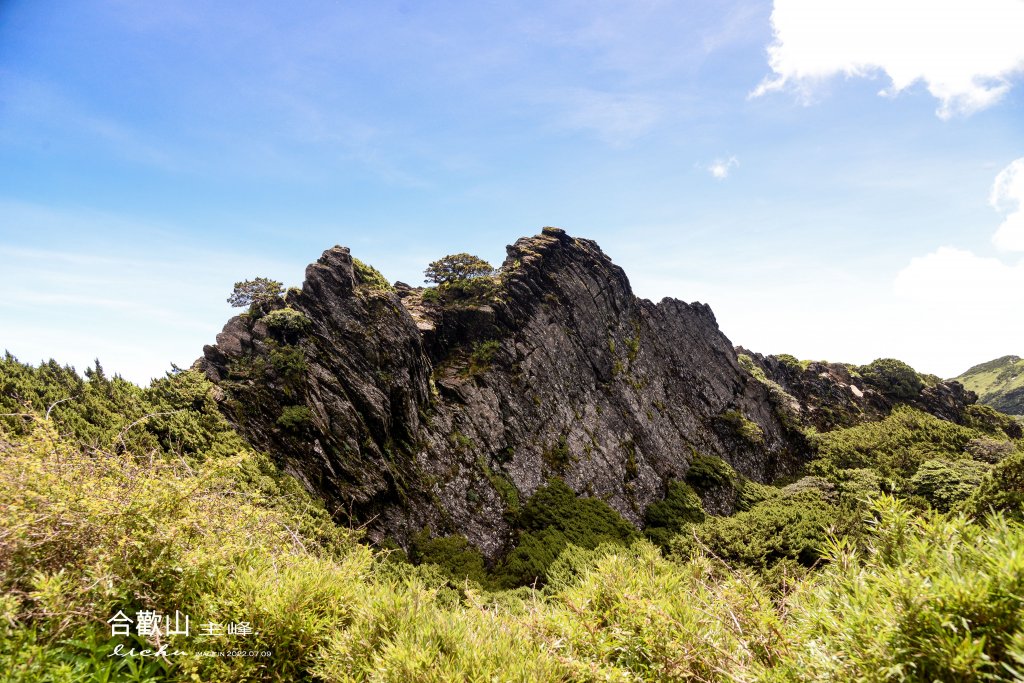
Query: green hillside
[
  {"x": 999, "y": 383},
  {"x": 884, "y": 562}
]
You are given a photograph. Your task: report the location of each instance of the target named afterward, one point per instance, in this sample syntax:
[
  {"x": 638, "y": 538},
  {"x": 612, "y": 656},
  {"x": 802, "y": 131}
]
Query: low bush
[
  {"x": 665, "y": 518},
  {"x": 792, "y": 528},
  {"x": 553, "y": 519},
  {"x": 369, "y": 276},
  {"x": 892, "y": 377},
  {"x": 926, "y": 598},
  {"x": 288, "y": 322},
  {"x": 295, "y": 418},
  {"x": 944, "y": 483},
  {"x": 1002, "y": 490},
  {"x": 894, "y": 447}
]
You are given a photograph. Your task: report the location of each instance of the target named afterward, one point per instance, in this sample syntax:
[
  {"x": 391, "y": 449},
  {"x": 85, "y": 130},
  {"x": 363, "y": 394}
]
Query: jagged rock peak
[{"x": 404, "y": 411}]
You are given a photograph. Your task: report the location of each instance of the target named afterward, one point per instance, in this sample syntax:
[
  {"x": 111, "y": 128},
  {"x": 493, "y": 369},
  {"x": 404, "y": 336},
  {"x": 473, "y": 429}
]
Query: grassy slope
[
  {"x": 86, "y": 532},
  {"x": 999, "y": 383},
  {"x": 123, "y": 498}
]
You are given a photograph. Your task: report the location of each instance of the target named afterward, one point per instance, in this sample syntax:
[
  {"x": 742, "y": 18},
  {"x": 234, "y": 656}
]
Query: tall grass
[{"x": 86, "y": 532}]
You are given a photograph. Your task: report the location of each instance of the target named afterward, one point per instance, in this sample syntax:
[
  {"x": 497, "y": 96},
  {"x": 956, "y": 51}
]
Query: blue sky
[{"x": 831, "y": 176}]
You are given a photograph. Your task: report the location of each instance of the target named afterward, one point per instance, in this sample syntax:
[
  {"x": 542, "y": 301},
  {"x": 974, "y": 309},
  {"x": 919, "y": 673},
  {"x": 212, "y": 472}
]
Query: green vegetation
[
  {"x": 552, "y": 520},
  {"x": 667, "y": 517},
  {"x": 784, "y": 528},
  {"x": 481, "y": 356},
  {"x": 176, "y": 416},
  {"x": 295, "y": 418},
  {"x": 462, "y": 279},
  {"x": 1002, "y": 490},
  {"x": 456, "y": 269},
  {"x": 502, "y": 486},
  {"x": 944, "y": 482},
  {"x": 104, "y": 511},
  {"x": 255, "y": 292},
  {"x": 895, "y": 446},
  {"x": 370, "y": 277},
  {"x": 709, "y": 471},
  {"x": 288, "y": 322},
  {"x": 789, "y": 361},
  {"x": 456, "y": 559},
  {"x": 120, "y": 498},
  {"x": 289, "y": 361},
  {"x": 778, "y": 395},
  {"x": 893, "y": 378},
  {"x": 999, "y": 383},
  {"x": 742, "y": 426},
  {"x": 558, "y": 457}
]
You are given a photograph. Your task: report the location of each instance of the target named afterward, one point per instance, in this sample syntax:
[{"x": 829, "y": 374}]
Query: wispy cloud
[
  {"x": 618, "y": 119},
  {"x": 721, "y": 168},
  {"x": 966, "y": 53},
  {"x": 136, "y": 297}
]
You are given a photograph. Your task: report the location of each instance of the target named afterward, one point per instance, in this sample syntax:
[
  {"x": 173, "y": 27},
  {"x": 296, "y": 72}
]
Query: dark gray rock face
[
  {"x": 832, "y": 395},
  {"x": 402, "y": 414}
]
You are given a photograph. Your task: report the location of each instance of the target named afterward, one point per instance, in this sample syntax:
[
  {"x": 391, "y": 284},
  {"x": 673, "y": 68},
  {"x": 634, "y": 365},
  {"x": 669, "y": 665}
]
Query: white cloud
[
  {"x": 1008, "y": 196},
  {"x": 618, "y": 119},
  {"x": 720, "y": 168},
  {"x": 960, "y": 308},
  {"x": 971, "y": 302},
  {"x": 955, "y": 277},
  {"x": 965, "y": 51}
]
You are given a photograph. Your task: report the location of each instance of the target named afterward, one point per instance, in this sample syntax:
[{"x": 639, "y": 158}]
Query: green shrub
[
  {"x": 894, "y": 447},
  {"x": 944, "y": 483},
  {"x": 550, "y": 521},
  {"x": 930, "y": 598},
  {"x": 665, "y": 518},
  {"x": 1002, "y": 490},
  {"x": 750, "y": 493},
  {"x": 85, "y": 533},
  {"x": 288, "y": 322},
  {"x": 778, "y": 396},
  {"x": 992, "y": 422},
  {"x": 175, "y": 415},
  {"x": 790, "y": 361},
  {"x": 481, "y": 356},
  {"x": 892, "y": 377},
  {"x": 635, "y": 616},
  {"x": 858, "y": 485},
  {"x": 506, "y": 490},
  {"x": 454, "y": 555},
  {"x": 289, "y": 361},
  {"x": 742, "y": 426},
  {"x": 791, "y": 528},
  {"x": 370, "y": 277},
  {"x": 708, "y": 471},
  {"x": 295, "y": 418}
]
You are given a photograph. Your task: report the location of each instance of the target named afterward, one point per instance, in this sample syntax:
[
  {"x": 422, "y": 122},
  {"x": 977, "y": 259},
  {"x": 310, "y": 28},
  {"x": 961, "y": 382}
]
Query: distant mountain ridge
[{"x": 999, "y": 383}]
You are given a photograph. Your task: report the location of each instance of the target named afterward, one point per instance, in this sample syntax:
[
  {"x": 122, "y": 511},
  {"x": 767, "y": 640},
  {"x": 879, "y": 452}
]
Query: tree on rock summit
[{"x": 457, "y": 268}]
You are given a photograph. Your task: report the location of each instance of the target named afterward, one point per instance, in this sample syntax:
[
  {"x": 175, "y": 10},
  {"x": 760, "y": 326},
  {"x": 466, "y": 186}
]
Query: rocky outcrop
[
  {"x": 834, "y": 395},
  {"x": 404, "y": 413}
]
